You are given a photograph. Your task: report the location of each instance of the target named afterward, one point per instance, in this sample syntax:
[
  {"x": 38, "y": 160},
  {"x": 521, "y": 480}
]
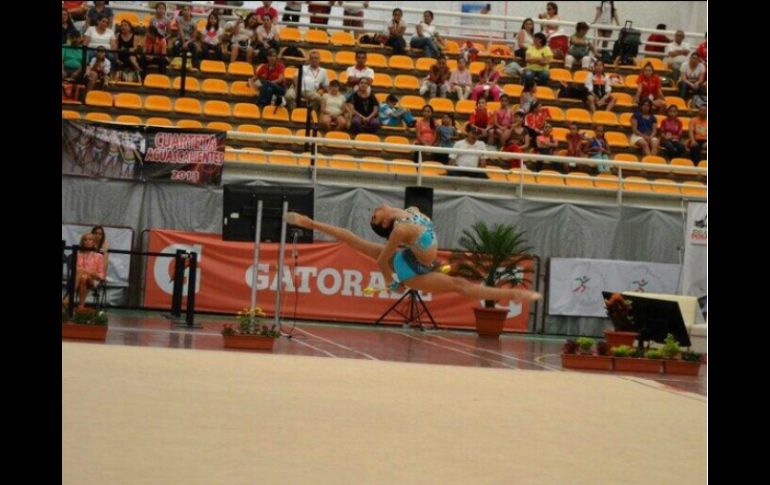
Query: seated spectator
[
  {"x": 657, "y": 38},
  {"x": 698, "y": 135},
  {"x": 471, "y": 142},
  {"x": 528, "y": 96},
  {"x": 99, "y": 9},
  {"x": 693, "y": 77},
  {"x": 314, "y": 78},
  {"x": 334, "y": 115},
  {"x": 579, "y": 48},
  {"x": 644, "y": 129},
  {"x": 577, "y": 143},
  {"x": 67, "y": 26},
  {"x": 72, "y": 58},
  {"x": 77, "y": 10},
  {"x": 391, "y": 114},
  {"x": 671, "y": 133},
  {"x": 447, "y": 135},
  {"x": 702, "y": 50},
  {"x": 536, "y": 119},
  {"x": 599, "y": 89},
  {"x": 185, "y": 41},
  {"x": 460, "y": 81},
  {"x": 469, "y": 52},
  {"x": 266, "y": 39},
  {"x": 291, "y": 7},
  {"x": 364, "y": 109},
  {"x": 101, "y": 244},
  {"x": 161, "y": 20},
  {"x": 437, "y": 79},
  {"x": 425, "y": 131},
  {"x": 358, "y": 72},
  {"x": 98, "y": 70},
  {"x": 90, "y": 268},
  {"x": 427, "y": 37},
  {"x": 487, "y": 84},
  {"x": 211, "y": 37},
  {"x": 154, "y": 51},
  {"x": 525, "y": 38},
  {"x": 244, "y": 33},
  {"x": 538, "y": 58},
  {"x": 649, "y": 87},
  {"x": 519, "y": 141},
  {"x": 269, "y": 79},
  {"x": 323, "y": 8},
  {"x": 127, "y": 48},
  {"x": 677, "y": 53},
  {"x": 99, "y": 36},
  {"x": 480, "y": 120},
  {"x": 394, "y": 32},
  {"x": 502, "y": 122},
  {"x": 266, "y": 9},
  {"x": 545, "y": 143},
  {"x": 599, "y": 149}
]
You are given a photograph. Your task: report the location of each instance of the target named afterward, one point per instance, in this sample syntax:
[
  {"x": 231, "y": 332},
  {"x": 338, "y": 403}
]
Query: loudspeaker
[{"x": 420, "y": 197}]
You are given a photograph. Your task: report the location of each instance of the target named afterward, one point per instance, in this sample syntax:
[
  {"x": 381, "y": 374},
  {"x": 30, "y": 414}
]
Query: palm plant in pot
[
  {"x": 626, "y": 329},
  {"x": 493, "y": 255}
]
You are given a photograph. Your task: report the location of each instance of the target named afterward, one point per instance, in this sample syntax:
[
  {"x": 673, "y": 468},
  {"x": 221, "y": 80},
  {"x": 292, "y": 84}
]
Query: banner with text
[{"x": 184, "y": 155}]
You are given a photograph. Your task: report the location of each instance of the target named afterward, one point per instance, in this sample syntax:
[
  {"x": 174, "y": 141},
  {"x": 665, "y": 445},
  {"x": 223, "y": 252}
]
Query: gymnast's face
[{"x": 379, "y": 216}]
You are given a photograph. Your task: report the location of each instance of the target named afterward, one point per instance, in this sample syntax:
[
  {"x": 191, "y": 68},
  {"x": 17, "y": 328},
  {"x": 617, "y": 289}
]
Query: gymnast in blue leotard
[{"x": 408, "y": 258}]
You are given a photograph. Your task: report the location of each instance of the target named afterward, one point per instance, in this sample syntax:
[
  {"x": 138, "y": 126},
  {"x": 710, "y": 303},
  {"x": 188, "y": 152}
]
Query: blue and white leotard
[{"x": 405, "y": 262}]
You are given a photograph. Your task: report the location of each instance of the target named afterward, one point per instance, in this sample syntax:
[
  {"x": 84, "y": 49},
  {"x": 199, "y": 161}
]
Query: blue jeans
[
  {"x": 405, "y": 115},
  {"x": 686, "y": 92},
  {"x": 541, "y": 77},
  {"x": 397, "y": 43},
  {"x": 266, "y": 92},
  {"x": 425, "y": 43}
]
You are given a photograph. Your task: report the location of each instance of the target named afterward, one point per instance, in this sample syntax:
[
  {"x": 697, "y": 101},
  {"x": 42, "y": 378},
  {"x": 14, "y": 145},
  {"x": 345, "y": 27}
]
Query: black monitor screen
[
  {"x": 239, "y": 211},
  {"x": 657, "y": 318}
]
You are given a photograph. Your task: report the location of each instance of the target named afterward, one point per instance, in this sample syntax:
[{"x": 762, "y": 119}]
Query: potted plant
[
  {"x": 585, "y": 359},
  {"x": 492, "y": 255},
  {"x": 251, "y": 334},
  {"x": 678, "y": 362},
  {"x": 86, "y": 323},
  {"x": 626, "y": 330},
  {"x": 629, "y": 359}
]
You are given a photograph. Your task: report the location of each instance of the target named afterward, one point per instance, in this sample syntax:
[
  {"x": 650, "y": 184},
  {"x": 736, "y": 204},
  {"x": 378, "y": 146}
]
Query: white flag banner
[
  {"x": 118, "y": 238},
  {"x": 576, "y": 285},
  {"x": 695, "y": 266}
]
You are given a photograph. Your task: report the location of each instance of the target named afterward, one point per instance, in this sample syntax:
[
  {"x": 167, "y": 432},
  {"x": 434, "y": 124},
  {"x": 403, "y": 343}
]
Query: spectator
[
  {"x": 67, "y": 26},
  {"x": 657, "y": 38},
  {"x": 427, "y": 37},
  {"x": 77, "y": 10},
  {"x": 333, "y": 112},
  {"x": 606, "y": 13},
  {"x": 502, "y": 122},
  {"x": 391, "y": 114},
  {"x": 536, "y": 119},
  {"x": 90, "y": 268},
  {"x": 528, "y": 96},
  {"x": 487, "y": 84},
  {"x": 154, "y": 50},
  {"x": 99, "y": 36},
  {"x": 425, "y": 131},
  {"x": 698, "y": 135},
  {"x": 671, "y": 133},
  {"x": 265, "y": 9},
  {"x": 676, "y": 53},
  {"x": 599, "y": 89},
  {"x": 545, "y": 143},
  {"x": 693, "y": 77},
  {"x": 323, "y": 8},
  {"x": 100, "y": 244},
  {"x": 211, "y": 38},
  {"x": 579, "y": 48},
  {"x": 394, "y": 32},
  {"x": 539, "y": 56},
  {"x": 577, "y": 144},
  {"x": 291, "y": 7},
  {"x": 649, "y": 87},
  {"x": 471, "y": 142},
  {"x": 349, "y": 11},
  {"x": 525, "y": 38},
  {"x": 358, "y": 72},
  {"x": 98, "y": 69},
  {"x": 72, "y": 58},
  {"x": 447, "y": 135},
  {"x": 598, "y": 149},
  {"x": 269, "y": 78},
  {"x": 266, "y": 39},
  {"x": 519, "y": 141},
  {"x": 185, "y": 41},
  {"x": 460, "y": 81},
  {"x": 363, "y": 108},
  {"x": 643, "y": 129},
  {"x": 437, "y": 79},
  {"x": 244, "y": 32},
  {"x": 314, "y": 77},
  {"x": 551, "y": 13},
  {"x": 469, "y": 52},
  {"x": 161, "y": 20},
  {"x": 98, "y": 10},
  {"x": 480, "y": 120},
  {"x": 127, "y": 46}
]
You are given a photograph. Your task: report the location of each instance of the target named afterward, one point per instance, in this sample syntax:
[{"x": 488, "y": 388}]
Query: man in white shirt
[
  {"x": 358, "y": 72},
  {"x": 314, "y": 77},
  {"x": 427, "y": 37},
  {"x": 677, "y": 53},
  {"x": 471, "y": 142}
]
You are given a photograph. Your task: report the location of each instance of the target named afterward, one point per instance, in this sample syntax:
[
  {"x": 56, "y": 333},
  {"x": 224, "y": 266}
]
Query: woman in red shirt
[
  {"x": 480, "y": 119},
  {"x": 425, "y": 132},
  {"x": 90, "y": 268},
  {"x": 671, "y": 133},
  {"x": 648, "y": 87}
]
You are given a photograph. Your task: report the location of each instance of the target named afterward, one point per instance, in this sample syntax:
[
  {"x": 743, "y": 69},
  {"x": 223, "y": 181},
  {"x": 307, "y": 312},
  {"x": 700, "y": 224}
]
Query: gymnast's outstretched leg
[
  {"x": 361, "y": 245},
  {"x": 441, "y": 283}
]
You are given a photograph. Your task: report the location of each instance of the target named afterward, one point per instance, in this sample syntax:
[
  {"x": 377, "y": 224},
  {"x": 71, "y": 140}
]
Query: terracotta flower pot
[
  {"x": 681, "y": 367},
  {"x": 586, "y": 361},
  {"x": 85, "y": 332},
  {"x": 254, "y": 342},
  {"x": 490, "y": 321},
  {"x": 627, "y": 364},
  {"x": 616, "y": 339}
]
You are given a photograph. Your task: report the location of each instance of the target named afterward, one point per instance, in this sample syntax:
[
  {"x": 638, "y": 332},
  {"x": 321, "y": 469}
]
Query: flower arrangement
[
  {"x": 86, "y": 316},
  {"x": 249, "y": 324},
  {"x": 619, "y": 311}
]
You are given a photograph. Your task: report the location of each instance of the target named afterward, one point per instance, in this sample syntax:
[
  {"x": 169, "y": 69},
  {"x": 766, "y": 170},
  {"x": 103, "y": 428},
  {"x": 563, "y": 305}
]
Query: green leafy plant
[
  {"x": 691, "y": 356},
  {"x": 653, "y": 354},
  {"x": 249, "y": 324},
  {"x": 493, "y": 256},
  {"x": 88, "y": 316},
  {"x": 585, "y": 344},
  {"x": 670, "y": 347},
  {"x": 623, "y": 351}
]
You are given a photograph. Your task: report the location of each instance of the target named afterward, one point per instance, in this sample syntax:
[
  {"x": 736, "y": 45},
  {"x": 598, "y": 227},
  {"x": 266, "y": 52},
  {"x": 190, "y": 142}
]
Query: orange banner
[{"x": 325, "y": 283}]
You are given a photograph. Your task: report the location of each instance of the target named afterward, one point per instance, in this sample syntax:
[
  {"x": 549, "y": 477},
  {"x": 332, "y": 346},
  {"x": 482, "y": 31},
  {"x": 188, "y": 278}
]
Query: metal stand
[
  {"x": 255, "y": 267},
  {"x": 413, "y": 313},
  {"x": 279, "y": 284}
]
